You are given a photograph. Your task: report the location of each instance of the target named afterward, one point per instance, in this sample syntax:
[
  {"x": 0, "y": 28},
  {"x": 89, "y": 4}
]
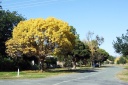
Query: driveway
[{"x": 106, "y": 76}]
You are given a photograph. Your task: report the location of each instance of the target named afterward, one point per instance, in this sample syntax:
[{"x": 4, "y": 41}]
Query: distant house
[{"x": 109, "y": 61}]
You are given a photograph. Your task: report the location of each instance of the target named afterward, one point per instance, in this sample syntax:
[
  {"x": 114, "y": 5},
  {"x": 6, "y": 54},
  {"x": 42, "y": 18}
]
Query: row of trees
[
  {"x": 35, "y": 39},
  {"x": 44, "y": 37}
]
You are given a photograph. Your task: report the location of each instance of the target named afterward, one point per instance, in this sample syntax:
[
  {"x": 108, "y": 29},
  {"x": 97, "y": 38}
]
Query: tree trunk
[
  {"x": 74, "y": 63},
  {"x": 99, "y": 64},
  {"x": 42, "y": 63},
  {"x": 85, "y": 62},
  {"x": 92, "y": 64}
]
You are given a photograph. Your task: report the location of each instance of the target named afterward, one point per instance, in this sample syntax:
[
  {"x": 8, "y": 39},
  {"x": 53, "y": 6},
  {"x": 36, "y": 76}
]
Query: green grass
[
  {"x": 28, "y": 74},
  {"x": 39, "y": 74}
]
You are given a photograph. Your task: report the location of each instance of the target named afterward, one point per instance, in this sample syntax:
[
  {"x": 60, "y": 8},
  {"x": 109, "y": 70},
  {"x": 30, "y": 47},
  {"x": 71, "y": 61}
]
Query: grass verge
[
  {"x": 38, "y": 74},
  {"x": 124, "y": 74}
]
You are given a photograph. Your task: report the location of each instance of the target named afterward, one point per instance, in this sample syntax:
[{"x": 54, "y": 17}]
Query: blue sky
[{"x": 106, "y": 18}]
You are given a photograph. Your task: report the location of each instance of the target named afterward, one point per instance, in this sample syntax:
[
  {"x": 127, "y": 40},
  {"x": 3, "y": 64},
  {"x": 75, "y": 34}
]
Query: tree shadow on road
[
  {"x": 72, "y": 70},
  {"x": 85, "y": 70},
  {"x": 106, "y": 66}
]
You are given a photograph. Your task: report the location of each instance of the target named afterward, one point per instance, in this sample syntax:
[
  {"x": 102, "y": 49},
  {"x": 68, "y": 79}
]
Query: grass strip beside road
[
  {"x": 123, "y": 75},
  {"x": 38, "y": 74},
  {"x": 29, "y": 74},
  {"x": 25, "y": 74}
]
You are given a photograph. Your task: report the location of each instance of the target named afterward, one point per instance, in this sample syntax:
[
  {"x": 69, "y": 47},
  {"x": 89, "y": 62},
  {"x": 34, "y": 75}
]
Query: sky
[{"x": 106, "y": 18}]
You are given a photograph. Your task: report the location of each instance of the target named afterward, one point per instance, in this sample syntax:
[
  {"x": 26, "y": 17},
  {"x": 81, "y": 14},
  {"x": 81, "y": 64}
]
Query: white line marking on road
[{"x": 78, "y": 78}]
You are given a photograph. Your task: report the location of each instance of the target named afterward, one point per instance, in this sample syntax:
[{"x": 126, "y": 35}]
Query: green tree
[
  {"x": 122, "y": 60},
  {"x": 101, "y": 56},
  {"x": 121, "y": 44},
  {"x": 7, "y": 21},
  {"x": 80, "y": 52},
  {"x": 93, "y": 44},
  {"x": 111, "y": 58}
]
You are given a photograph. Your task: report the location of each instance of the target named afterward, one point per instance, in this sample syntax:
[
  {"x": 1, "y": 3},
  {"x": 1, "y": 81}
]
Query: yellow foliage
[
  {"x": 41, "y": 36},
  {"x": 117, "y": 58}
]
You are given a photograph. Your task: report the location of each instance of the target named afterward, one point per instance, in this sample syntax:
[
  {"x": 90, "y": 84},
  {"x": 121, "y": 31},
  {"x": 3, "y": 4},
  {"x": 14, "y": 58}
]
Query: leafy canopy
[
  {"x": 93, "y": 44},
  {"x": 40, "y": 37},
  {"x": 121, "y": 44},
  {"x": 7, "y": 22},
  {"x": 81, "y": 49},
  {"x": 101, "y": 55}
]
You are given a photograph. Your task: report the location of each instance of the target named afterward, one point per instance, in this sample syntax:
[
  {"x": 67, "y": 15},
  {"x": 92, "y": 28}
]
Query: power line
[
  {"x": 26, "y": 4},
  {"x": 22, "y": 2},
  {"x": 32, "y": 4}
]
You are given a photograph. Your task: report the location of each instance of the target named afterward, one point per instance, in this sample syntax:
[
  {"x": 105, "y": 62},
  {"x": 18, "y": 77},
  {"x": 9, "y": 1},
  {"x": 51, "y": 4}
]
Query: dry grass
[{"x": 123, "y": 75}]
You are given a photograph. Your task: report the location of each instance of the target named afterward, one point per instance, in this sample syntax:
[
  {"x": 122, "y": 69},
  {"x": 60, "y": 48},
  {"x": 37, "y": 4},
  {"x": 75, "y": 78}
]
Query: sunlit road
[{"x": 105, "y": 76}]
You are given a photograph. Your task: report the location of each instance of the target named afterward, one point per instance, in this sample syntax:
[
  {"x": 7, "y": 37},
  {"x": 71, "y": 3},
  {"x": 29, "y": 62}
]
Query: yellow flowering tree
[{"x": 40, "y": 37}]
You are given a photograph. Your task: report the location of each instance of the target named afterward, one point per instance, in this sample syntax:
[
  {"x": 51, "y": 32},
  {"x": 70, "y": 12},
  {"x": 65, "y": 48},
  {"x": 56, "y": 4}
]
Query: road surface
[{"x": 106, "y": 76}]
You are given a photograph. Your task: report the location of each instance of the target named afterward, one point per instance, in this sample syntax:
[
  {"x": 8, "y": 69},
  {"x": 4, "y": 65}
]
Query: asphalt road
[{"x": 105, "y": 76}]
